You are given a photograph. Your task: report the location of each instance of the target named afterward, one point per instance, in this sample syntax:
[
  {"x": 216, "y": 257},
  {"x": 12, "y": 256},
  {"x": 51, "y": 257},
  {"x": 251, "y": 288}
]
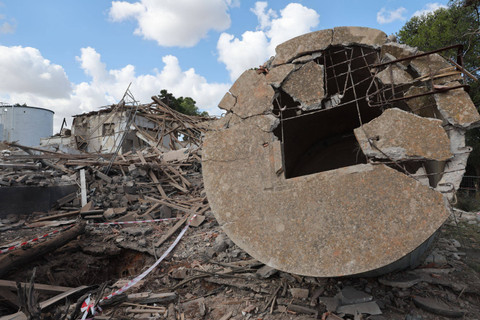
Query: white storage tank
[{"x": 25, "y": 124}]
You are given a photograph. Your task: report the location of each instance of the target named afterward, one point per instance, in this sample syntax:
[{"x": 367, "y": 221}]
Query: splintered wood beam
[{"x": 18, "y": 258}]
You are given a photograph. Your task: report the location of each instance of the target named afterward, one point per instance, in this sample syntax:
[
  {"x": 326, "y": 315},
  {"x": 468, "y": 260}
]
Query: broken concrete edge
[
  {"x": 323, "y": 39},
  {"x": 380, "y": 138},
  {"x": 255, "y": 117}
]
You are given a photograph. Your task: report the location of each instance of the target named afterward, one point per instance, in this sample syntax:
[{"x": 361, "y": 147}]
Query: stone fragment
[
  {"x": 350, "y": 295},
  {"x": 137, "y": 231},
  {"x": 398, "y": 51},
  {"x": 194, "y": 309},
  {"x": 424, "y": 106},
  {"x": 299, "y": 293},
  {"x": 331, "y": 303},
  {"x": 394, "y": 75},
  {"x": 400, "y": 135},
  {"x": 400, "y": 280},
  {"x": 307, "y": 58},
  {"x": 109, "y": 214},
  {"x": 301, "y": 309},
  {"x": 456, "y": 107},
  {"x": 358, "y": 35},
  {"x": 431, "y": 64},
  {"x": 266, "y": 272},
  {"x": 302, "y": 45},
  {"x": 164, "y": 212},
  {"x": 277, "y": 75},
  {"x": 228, "y": 102},
  {"x": 221, "y": 243},
  {"x": 437, "y": 307},
  {"x": 366, "y": 307},
  {"x": 305, "y": 86},
  {"x": 131, "y": 216},
  {"x": 197, "y": 221},
  {"x": 179, "y": 273},
  {"x": 436, "y": 257},
  {"x": 253, "y": 95}
]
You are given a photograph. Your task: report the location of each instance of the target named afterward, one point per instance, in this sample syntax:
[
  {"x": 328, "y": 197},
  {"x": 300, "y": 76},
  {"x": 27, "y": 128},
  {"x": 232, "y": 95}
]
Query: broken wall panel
[
  {"x": 305, "y": 194},
  {"x": 399, "y": 135}
]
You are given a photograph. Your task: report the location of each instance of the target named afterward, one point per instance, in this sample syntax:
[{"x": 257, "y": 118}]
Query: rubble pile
[{"x": 129, "y": 232}]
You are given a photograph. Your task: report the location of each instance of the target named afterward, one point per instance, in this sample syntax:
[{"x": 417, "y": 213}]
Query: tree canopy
[
  {"x": 185, "y": 105},
  {"x": 458, "y": 23}
]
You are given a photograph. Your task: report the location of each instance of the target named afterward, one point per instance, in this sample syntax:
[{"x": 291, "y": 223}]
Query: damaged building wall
[
  {"x": 339, "y": 155},
  {"x": 128, "y": 127}
]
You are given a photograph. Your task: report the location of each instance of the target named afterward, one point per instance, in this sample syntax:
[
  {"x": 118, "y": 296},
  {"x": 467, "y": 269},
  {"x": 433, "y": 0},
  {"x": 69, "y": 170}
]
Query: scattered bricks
[{"x": 299, "y": 293}]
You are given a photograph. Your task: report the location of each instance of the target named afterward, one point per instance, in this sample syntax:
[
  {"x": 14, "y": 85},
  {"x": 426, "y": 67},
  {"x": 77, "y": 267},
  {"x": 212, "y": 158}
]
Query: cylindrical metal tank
[{"x": 25, "y": 124}]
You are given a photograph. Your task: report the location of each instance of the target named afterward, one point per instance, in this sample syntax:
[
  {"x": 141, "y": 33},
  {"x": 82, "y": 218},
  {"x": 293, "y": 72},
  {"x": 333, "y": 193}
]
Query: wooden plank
[
  {"x": 140, "y": 155},
  {"x": 38, "y": 286},
  {"x": 171, "y": 231},
  {"x": 170, "y": 205},
  {"x": 61, "y": 296},
  {"x": 55, "y": 216},
  {"x": 21, "y": 316},
  {"x": 17, "y": 258},
  {"x": 157, "y": 184},
  {"x": 10, "y": 298}
]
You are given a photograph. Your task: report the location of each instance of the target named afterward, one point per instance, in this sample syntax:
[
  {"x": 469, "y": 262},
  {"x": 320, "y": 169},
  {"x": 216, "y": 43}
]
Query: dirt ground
[{"x": 212, "y": 278}]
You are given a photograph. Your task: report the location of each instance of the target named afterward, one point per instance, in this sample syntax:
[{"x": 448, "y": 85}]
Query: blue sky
[{"x": 75, "y": 56}]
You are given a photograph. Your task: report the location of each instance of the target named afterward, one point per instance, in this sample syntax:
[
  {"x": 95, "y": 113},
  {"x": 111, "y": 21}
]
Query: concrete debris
[
  {"x": 266, "y": 272},
  {"x": 350, "y": 295},
  {"x": 437, "y": 307},
  {"x": 305, "y": 86},
  {"x": 398, "y": 135},
  {"x": 362, "y": 308},
  {"x": 293, "y": 187},
  {"x": 403, "y": 281},
  {"x": 344, "y": 122},
  {"x": 299, "y": 293}
]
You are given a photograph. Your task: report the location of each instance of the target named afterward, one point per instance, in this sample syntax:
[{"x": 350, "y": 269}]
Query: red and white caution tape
[
  {"x": 34, "y": 240},
  {"x": 131, "y": 222},
  {"x": 134, "y": 281},
  {"x": 87, "y": 306}
]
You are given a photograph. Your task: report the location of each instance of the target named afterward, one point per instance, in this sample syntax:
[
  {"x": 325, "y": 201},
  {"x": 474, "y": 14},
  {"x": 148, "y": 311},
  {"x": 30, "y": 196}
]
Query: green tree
[
  {"x": 185, "y": 105},
  {"x": 458, "y": 23}
]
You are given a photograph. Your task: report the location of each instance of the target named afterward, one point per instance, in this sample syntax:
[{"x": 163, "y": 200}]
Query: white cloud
[
  {"x": 7, "y": 27},
  {"x": 264, "y": 18},
  {"x": 174, "y": 22},
  {"x": 428, "y": 8},
  {"x": 255, "y": 47},
  {"x": 30, "y": 78},
  {"x": 387, "y": 16},
  {"x": 24, "y": 69}
]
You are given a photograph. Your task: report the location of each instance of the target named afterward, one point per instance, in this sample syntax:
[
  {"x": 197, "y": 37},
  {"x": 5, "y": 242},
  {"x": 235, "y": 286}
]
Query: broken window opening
[
  {"x": 322, "y": 139},
  {"x": 108, "y": 129}
]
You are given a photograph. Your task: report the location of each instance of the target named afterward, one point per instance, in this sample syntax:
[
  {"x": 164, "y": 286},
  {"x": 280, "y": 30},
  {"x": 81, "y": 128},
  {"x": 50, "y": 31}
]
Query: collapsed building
[
  {"x": 121, "y": 128},
  {"x": 339, "y": 156}
]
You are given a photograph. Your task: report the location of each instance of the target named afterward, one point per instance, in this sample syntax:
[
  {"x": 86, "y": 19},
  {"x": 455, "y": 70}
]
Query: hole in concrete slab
[{"x": 321, "y": 140}]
